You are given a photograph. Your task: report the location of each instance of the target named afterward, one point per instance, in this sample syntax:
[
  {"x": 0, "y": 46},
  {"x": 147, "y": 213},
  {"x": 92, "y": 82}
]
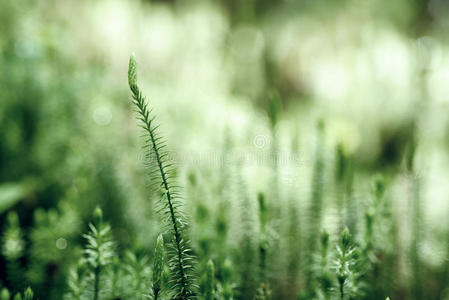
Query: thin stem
[
  {"x": 96, "y": 282},
  {"x": 172, "y": 212},
  {"x": 97, "y": 268},
  {"x": 342, "y": 293}
]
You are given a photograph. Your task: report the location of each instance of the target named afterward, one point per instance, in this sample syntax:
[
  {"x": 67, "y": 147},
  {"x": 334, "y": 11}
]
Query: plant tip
[
  {"x": 98, "y": 216},
  {"x": 346, "y": 238},
  {"x": 132, "y": 72},
  {"x": 28, "y": 294},
  {"x": 4, "y": 294}
]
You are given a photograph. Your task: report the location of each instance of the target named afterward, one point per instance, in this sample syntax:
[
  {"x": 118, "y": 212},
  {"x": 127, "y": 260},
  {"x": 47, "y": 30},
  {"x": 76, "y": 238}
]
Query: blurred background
[{"x": 237, "y": 85}]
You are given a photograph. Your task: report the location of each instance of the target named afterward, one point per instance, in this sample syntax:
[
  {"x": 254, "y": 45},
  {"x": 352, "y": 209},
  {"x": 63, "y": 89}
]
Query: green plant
[
  {"x": 263, "y": 243},
  {"x": 210, "y": 281},
  {"x": 98, "y": 252},
  {"x": 138, "y": 273},
  {"x": 13, "y": 246},
  {"x": 4, "y": 294},
  {"x": 50, "y": 236},
  {"x": 158, "y": 267},
  {"x": 224, "y": 286},
  {"x": 223, "y": 211},
  {"x": 247, "y": 252},
  {"x": 415, "y": 182},
  {"x": 316, "y": 202},
  {"x": 323, "y": 269},
  {"x": 344, "y": 173},
  {"x": 180, "y": 258},
  {"x": 264, "y": 287},
  {"x": 76, "y": 282},
  {"x": 27, "y": 295},
  {"x": 346, "y": 267},
  {"x": 294, "y": 226}
]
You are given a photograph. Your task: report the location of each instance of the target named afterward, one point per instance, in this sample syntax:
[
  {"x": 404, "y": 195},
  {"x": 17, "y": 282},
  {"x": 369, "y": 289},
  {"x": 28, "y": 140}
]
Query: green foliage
[
  {"x": 10, "y": 193},
  {"x": 263, "y": 240},
  {"x": 99, "y": 251},
  {"x": 344, "y": 173},
  {"x": 75, "y": 283},
  {"x": 263, "y": 292},
  {"x": 247, "y": 270},
  {"x": 138, "y": 271},
  {"x": 13, "y": 246},
  {"x": 248, "y": 253},
  {"x": 323, "y": 269},
  {"x": 225, "y": 286},
  {"x": 346, "y": 267},
  {"x": 13, "y": 243},
  {"x": 232, "y": 71},
  {"x": 274, "y": 107},
  {"x": 51, "y": 238},
  {"x": 316, "y": 200},
  {"x": 158, "y": 266},
  {"x": 209, "y": 293},
  {"x": 27, "y": 295},
  {"x": 4, "y": 294}
]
